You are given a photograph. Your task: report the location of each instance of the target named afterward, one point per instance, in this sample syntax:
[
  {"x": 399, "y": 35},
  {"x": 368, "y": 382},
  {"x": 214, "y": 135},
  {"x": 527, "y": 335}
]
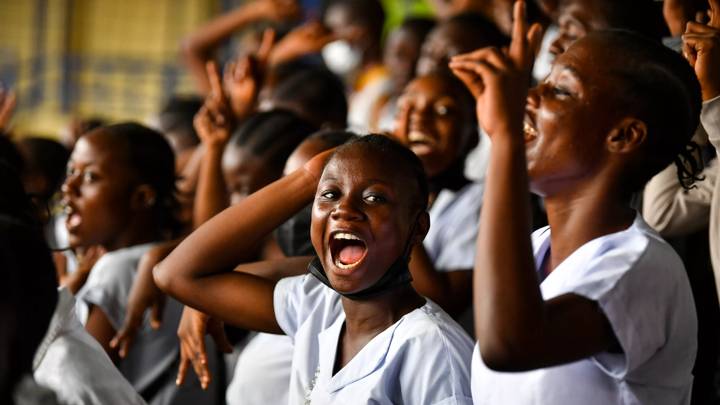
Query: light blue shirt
[{"x": 424, "y": 358}]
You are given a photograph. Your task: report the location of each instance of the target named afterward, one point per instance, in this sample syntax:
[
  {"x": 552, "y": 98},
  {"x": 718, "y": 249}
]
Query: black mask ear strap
[{"x": 397, "y": 275}]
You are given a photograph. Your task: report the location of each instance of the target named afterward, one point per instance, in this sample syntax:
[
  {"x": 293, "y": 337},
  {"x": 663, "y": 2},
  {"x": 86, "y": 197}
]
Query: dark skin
[
  {"x": 107, "y": 207},
  {"x": 339, "y": 19},
  {"x": 577, "y": 18},
  {"x": 402, "y": 51},
  {"x": 443, "y": 42},
  {"x": 436, "y": 126},
  {"x": 348, "y": 200},
  {"x": 516, "y": 328}
]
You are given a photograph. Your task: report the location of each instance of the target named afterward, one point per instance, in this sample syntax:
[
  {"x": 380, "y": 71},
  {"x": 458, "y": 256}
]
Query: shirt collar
[{"x": 369, "y": 359}]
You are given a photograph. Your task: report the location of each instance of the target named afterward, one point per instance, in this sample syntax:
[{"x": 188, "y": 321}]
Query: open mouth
[
  {"x": 529, "y": 130},
  {"x": 420, "y": 142},
  {"x": 347, "y": 250},
  {"x": 73, "y": 219}
]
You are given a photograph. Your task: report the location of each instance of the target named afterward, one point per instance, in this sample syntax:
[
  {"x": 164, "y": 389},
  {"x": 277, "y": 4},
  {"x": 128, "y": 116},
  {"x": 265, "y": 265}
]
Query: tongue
[{"x": 351, "y": 254}]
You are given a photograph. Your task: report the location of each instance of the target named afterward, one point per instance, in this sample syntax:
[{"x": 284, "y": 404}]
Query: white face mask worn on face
[{"x": 341, "y": 57}]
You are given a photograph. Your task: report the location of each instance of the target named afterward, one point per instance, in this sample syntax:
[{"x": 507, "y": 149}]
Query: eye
[
  {"x": 441, "y": 110},
  {"x": 328, "y": 195},
  {"x": 89, "y": 176},
  {"x": 375, "y": 198},
  {"x": 560, "y": 91}
]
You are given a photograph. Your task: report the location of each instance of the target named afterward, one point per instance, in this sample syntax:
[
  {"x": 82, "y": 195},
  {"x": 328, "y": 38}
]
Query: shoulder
[
  {"x": 117, "y": 266},
  {"x": 435, "y": 353},
  {"x": 300, "y": 298},
  {"x": 434, "y": 334}
]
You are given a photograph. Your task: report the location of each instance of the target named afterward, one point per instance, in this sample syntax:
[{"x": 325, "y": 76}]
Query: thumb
[{"x": 156, "y": 312}]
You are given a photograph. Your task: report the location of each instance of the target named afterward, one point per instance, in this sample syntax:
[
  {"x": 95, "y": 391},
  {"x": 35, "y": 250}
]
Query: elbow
[
  {"x": 505, "y": 355},
  {"x": 163, "y": 278}
]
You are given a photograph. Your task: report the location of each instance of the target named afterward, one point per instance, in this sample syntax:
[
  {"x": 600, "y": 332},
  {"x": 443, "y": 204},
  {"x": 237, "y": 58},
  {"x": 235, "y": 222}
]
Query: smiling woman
[{"x": 356, "y": 322}]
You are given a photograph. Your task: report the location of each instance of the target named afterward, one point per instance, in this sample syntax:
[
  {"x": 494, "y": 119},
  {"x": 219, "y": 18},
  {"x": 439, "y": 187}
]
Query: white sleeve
[
  {"x": 710, "y": 119},
  {"x": 674, "y": 211},
  {"x": 637, "y": 284},
  {"x": 294, "y": 299},
  {"x": 108, "y": 288}
]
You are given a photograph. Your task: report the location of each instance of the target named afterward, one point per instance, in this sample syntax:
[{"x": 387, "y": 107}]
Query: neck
[
  {"x": 582, "y": 215},
  {"x": 142, "y": 229},
  {"x": 452, "y": 179},
  {"x": 372, "y": 316}
]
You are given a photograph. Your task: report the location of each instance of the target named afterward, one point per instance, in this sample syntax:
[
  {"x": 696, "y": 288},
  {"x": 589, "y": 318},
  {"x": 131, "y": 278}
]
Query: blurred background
[{"x": 110, "y": 59}]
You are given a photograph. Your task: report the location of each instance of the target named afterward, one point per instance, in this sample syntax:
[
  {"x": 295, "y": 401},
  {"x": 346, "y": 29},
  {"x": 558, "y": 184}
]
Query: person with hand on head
[
  {"x": 612, "y": 320},
  {"x": 197, "y": 49},
  {"x": 360, "y": 331}
]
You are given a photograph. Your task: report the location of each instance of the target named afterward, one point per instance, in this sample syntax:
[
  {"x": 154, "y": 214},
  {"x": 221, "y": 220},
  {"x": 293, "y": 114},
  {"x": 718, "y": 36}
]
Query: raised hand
[
  {"x": 194, "y": 325},
  {"x": 304, "y": 40},
  {"x": 8, "y": 100},
  {"x": 214, "y": 121},
  {"x": 277, "y": 10},
  {"x": 500, "y": 80},
  {"x": 701, "y": 47},
  {"x": 244, "y": 77}
]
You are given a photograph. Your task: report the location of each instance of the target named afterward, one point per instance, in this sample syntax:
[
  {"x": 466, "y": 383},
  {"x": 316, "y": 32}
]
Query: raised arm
[
  {"x": 516, "y": 329},
  {"x": 199, "y": 272},
  {"x": 449, "y": 289},
  {"x": 198, "y": 47}
]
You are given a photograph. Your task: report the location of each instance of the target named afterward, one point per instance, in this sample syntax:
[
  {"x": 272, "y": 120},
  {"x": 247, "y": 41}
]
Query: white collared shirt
[
  {"x": 74, "y": 365},
  {"x": 641, "y": 286},
  {"x": 421, "y": 359}
]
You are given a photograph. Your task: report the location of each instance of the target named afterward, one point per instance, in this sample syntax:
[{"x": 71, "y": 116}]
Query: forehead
[
  {"x": 98, "y": 148},
  {"x": 360, "y": 165},
  {"x": 588, "y": 13},
  {"x": 430, "y": 86}
]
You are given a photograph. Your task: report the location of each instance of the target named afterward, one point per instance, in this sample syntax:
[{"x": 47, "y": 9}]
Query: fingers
[
  {"x": 471, "y": 81},
  {"x": 535, "y": 37},
  {"x": 714, "y": 14},
  {"x": 156, "y": 312},
  {"x": 216, "y": 90},
  {"x": 518, "y": 43},
  {"x": 8, "y": 101},
  {"x": 126, "y": 335},
  {"x": 184, "y": 362},
  {"x": 266, "y": 45},
  {"x": 199, "y": 363}
]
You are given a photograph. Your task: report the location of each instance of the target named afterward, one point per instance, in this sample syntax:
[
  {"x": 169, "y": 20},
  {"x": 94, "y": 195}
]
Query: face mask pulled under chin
[
  {"x": 341, "y": 57},
  {"x": 293, "y": 236}
]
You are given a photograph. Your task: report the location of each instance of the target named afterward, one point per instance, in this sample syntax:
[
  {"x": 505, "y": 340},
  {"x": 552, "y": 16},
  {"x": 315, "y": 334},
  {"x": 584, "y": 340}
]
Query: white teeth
[
  {"x": 344, "y": 266},
  {"x": 417, "y": 136},
  {"x": 346, "y": 236},
  {"x": 528, "y": 128}
]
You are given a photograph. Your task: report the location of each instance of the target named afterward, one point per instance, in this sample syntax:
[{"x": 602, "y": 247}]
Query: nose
[
  {"x": 70, "y": 185},
  {"x": 533, "y": 97},
  {"x": 558, "y": 46},
  {"x": 346, "y": 210}
]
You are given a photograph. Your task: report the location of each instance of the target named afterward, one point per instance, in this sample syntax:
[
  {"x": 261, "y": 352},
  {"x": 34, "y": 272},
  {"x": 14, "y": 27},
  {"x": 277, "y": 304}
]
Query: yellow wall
[{"x": 107, "y": 58}]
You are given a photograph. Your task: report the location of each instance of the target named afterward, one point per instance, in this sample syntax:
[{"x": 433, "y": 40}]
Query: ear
[
  {"x": 422, "y": 226},
  {"x": 628, "y": 136},
  {"x": 143, "y": 197}
]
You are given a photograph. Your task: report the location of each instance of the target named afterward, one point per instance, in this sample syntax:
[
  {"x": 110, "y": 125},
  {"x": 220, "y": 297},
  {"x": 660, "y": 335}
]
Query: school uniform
[
  {"x": 152, "y": 361},
  {"x": 451, "y": 239},
  {"x": 262, "y": 371},
  {"x": 421, "y": 359},
  {"x": 74, "y": 366},
  {"x": 640, "y": 284}
]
